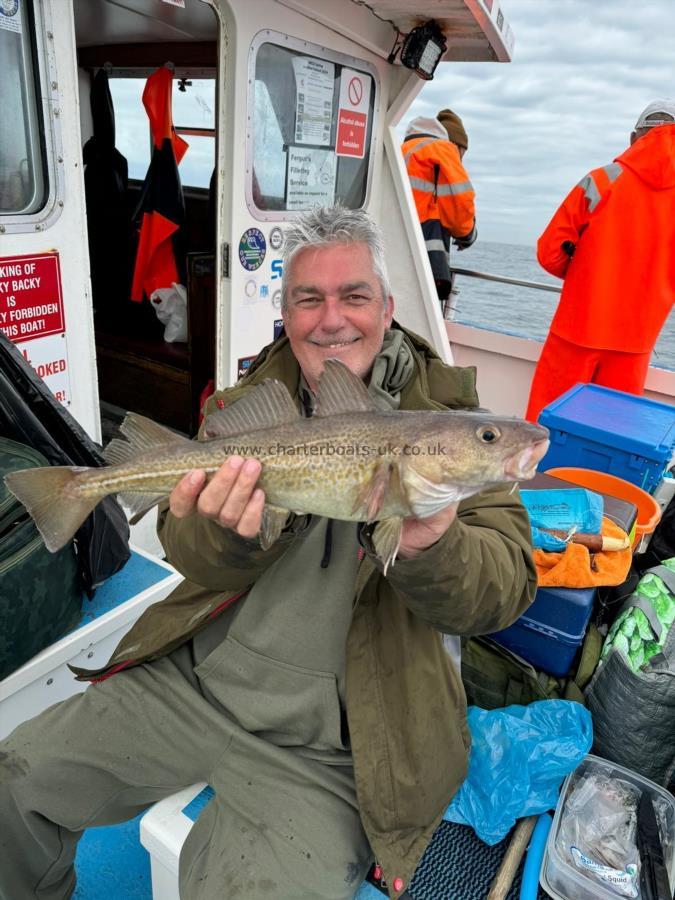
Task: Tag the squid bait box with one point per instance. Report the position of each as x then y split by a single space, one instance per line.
594 427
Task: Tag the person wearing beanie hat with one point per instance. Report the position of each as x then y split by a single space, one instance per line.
455 128
611 242
444 196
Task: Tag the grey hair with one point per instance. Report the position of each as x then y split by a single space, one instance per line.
325 225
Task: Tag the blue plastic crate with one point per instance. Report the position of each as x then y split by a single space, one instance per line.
549 634
594 427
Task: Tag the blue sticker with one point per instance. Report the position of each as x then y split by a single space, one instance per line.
277 268
252 249
278 327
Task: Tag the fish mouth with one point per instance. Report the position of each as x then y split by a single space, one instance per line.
523 465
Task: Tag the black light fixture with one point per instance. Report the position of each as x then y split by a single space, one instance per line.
423 48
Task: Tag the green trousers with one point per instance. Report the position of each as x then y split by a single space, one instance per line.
280 827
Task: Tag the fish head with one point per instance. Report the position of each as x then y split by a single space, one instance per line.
476 449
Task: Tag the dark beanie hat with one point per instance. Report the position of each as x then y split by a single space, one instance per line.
453 125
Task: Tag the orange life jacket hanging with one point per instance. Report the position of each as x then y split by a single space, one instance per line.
161 205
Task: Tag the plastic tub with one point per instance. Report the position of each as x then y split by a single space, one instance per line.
649 511
564 881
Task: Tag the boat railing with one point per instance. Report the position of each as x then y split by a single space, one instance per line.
449 308
503 279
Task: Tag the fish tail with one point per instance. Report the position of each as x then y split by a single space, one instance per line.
57 513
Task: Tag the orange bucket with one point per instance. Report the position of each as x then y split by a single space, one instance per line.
648 509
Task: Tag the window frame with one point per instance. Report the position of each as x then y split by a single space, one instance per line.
285 41
47 107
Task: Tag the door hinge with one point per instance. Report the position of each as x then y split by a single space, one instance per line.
225 267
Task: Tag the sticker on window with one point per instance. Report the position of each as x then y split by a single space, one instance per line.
313 100
10 15
311 178
352 114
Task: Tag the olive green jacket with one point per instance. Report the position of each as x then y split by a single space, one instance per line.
406 706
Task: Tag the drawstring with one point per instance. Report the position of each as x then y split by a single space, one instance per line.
328 545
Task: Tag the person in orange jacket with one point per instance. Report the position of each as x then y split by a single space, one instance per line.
444 197
613 242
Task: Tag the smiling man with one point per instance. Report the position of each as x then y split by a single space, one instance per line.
313 692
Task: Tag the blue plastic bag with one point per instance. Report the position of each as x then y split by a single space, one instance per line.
519 758
564 509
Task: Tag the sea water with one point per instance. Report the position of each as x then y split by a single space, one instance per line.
520 310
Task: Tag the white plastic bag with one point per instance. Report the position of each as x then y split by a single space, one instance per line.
170 304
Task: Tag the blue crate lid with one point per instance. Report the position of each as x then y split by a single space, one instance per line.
634 424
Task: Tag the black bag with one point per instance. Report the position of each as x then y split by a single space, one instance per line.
30 415
40 593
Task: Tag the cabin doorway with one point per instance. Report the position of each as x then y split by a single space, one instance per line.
120 45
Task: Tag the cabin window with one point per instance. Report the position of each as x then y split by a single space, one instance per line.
132 131
312 123
23 177
194 117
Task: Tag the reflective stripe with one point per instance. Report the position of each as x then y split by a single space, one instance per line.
422 143
613 170
459 187
420 184
590 188
443 190
591 192
435 245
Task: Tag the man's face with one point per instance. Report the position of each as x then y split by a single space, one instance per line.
335 309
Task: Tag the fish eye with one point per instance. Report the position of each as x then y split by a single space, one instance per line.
488 434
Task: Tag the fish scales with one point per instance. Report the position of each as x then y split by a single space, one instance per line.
349 461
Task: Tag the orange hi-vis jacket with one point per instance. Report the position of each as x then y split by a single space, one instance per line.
444 196
620 283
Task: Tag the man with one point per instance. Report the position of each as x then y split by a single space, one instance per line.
444 197
313 693
612 242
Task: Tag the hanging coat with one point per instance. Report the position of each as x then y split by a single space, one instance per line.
620 281
108 212
161 208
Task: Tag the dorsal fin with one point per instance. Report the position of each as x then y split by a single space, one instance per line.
267 404
141 435
340 391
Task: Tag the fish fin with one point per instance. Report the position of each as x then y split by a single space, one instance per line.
42 492
273 520
372 494
267 404
387 539
425 497
340 391
141 435
139 504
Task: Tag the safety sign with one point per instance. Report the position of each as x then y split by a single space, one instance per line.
353 109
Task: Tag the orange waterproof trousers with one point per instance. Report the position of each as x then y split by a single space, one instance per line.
563 364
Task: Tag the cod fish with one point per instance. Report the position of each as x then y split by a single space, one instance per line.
349 461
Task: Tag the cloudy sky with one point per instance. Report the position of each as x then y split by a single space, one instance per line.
582 71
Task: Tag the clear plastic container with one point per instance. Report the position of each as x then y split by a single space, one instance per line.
559 877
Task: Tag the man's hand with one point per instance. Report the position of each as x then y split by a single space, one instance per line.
418 534
230 497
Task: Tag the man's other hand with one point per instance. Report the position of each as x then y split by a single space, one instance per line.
230 498
419 534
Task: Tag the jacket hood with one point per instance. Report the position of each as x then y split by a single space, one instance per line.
426 125
652 157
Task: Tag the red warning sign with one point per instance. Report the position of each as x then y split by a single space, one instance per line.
353 110
31 303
